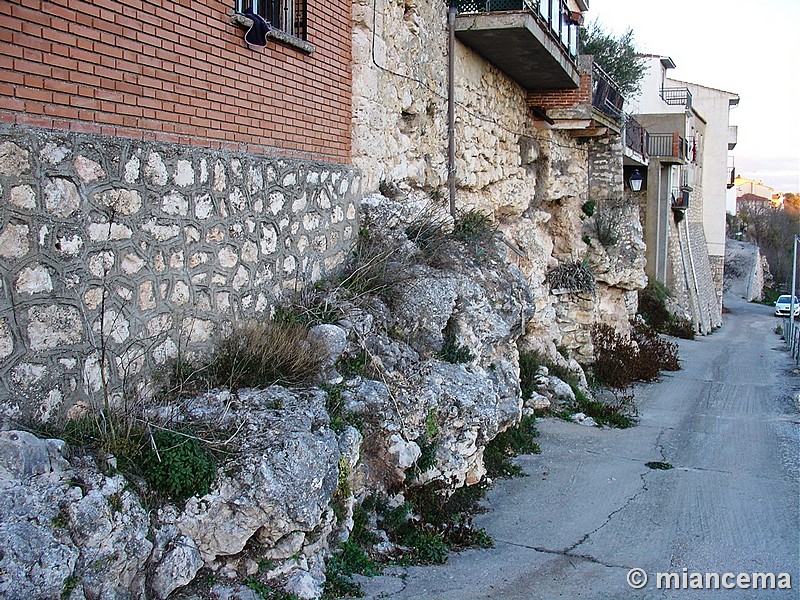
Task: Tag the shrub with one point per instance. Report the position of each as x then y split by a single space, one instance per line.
607 224
654 311
453 352
339 417
620 361
574 276
310 306
588 207
177 466
529 363
473 226
476 230
429 231
260 354
376 265
612 415
681 327
653 307
654 350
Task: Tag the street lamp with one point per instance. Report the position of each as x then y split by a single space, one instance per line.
635 181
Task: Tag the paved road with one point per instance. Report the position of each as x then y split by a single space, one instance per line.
591 510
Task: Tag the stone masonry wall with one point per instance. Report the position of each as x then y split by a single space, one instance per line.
533 180
117 255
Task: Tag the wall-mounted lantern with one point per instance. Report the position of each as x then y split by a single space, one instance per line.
635 181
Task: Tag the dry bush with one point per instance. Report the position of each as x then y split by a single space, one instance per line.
376 266
621 361
575 276
259 354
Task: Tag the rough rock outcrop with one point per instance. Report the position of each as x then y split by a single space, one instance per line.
417 396
66 528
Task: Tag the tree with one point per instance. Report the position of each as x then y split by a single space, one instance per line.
773 230
791 204
616 56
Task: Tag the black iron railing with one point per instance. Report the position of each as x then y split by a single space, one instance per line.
677 96
636 136
606 96
667 145
553 14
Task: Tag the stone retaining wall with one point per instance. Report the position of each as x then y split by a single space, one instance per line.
119 254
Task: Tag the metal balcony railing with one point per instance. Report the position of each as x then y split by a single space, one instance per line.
667 145
677 96
636 136
552 14
606 96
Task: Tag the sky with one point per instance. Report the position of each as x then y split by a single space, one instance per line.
748 47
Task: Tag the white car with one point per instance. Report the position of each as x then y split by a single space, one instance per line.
783 306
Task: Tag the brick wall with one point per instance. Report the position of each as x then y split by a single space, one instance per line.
553 99
177 71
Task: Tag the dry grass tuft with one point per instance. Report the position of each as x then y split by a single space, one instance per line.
259 354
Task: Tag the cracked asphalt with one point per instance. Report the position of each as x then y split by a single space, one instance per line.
590 510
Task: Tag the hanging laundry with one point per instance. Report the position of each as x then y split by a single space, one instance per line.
257 34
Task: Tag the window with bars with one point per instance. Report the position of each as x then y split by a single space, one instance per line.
287 15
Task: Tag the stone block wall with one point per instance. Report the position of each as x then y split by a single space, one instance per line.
117 255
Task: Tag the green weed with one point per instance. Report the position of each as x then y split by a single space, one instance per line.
507 444
177 466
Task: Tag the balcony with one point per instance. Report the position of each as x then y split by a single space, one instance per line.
731 173
534 42
668 147
677 96
733 136
636 141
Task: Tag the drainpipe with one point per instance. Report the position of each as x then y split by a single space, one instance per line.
451 105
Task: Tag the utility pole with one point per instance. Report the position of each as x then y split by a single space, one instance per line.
794 287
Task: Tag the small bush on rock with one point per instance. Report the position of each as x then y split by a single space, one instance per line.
177 466
573 276
260 354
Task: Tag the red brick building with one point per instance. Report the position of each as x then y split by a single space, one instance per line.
161 179
179 72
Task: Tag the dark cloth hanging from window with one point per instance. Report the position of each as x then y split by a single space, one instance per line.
257 34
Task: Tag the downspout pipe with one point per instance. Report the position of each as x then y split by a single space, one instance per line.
451 105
